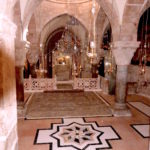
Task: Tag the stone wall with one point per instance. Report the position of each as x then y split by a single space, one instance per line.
8 111
133 73
136 82
133 86
104 84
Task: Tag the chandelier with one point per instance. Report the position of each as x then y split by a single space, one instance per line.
109 61
91 52
68 42
143 59
143 53
91 48
110 65
69 45
41 71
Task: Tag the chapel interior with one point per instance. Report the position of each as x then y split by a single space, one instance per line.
81 61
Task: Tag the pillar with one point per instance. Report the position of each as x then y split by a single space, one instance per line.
94 71
33 57
21 50
19 84
123 52
8 110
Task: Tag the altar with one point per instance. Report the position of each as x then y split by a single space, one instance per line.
69 60
62 72
62 68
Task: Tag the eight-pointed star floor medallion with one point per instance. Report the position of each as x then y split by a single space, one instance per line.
76 134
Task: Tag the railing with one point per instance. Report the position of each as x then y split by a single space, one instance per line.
87 84
45 84
37 85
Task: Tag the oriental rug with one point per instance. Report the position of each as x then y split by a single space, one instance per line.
66 104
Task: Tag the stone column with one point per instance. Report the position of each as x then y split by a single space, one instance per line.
123 52
8 110
19 84
21 50
94 71
33 57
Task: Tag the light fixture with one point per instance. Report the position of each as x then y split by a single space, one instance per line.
41 71
68 42
109 61
110 66
144 48
75 37
91 48
68 46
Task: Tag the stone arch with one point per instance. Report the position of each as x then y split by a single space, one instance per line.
7 8
31 7
27 12
106 5
143 37
143 22
53 24
31 36
131 18
101 23
145 6
56 25
50 47
111 13
107 28
52 34
17 20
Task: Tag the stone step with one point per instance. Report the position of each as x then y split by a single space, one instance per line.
65 86
66 90
65 82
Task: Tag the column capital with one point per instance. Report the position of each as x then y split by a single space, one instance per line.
22 47
123 51
126 44
32 56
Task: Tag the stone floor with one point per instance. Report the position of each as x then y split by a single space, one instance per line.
66 104
88 133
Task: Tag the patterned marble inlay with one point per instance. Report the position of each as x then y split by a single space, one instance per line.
142 129
77 134
145 109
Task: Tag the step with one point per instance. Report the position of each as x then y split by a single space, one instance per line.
61 90
65 86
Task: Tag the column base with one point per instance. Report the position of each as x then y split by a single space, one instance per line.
21 110
121 110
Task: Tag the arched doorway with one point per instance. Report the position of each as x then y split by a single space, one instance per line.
63 56
50 46
65 43
143 35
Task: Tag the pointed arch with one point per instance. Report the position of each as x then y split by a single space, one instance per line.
59 22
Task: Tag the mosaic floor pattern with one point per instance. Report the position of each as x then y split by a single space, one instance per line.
142 129
143 108
77 134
